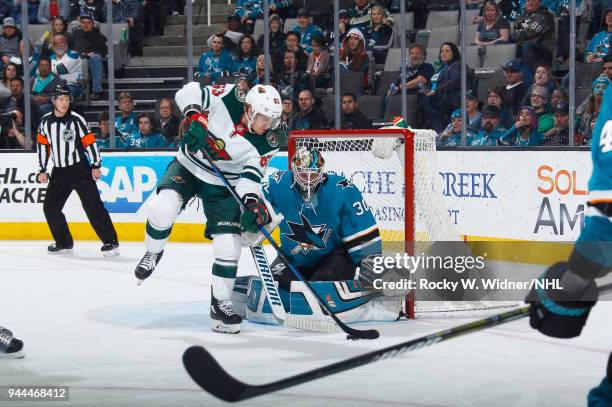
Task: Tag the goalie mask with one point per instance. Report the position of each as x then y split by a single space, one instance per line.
307 168
266 107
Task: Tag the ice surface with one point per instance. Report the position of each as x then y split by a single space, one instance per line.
87 325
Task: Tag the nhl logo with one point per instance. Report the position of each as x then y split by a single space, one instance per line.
68 135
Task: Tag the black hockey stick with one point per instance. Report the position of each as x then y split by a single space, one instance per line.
352 333
210 376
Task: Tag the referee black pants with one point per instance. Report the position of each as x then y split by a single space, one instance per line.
62 182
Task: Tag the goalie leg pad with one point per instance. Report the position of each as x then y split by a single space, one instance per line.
257 307
163 211
345 298
226 249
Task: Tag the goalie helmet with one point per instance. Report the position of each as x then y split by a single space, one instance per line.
266 101
307 168
189 99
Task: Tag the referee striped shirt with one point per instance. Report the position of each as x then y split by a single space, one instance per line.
65 140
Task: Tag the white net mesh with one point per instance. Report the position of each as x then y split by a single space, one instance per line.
382 184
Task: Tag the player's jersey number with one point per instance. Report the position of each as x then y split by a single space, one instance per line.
361 207
605 141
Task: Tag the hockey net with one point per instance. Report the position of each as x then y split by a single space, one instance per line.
404 195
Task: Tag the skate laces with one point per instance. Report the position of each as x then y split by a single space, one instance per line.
226 307
5 338
148 260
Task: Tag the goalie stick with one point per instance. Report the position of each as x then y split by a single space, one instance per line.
211 376
352 333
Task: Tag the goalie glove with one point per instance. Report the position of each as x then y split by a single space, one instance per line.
195 137
560 313
384 147
253 237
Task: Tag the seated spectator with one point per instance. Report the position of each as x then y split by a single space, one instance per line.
306 29
102 133
351 117
58 26
534 33
147 136
17 102
558 96
13 138
67 64
231 35
543 77
43 85
309 117
607 67
33 6
168 122
90 43
451 136
588 111
445 94
125 121
561 11
130 12
95 8
9 72
9 40
473 114
249 11
559 134
215 63
287 114
516 89
292 44
360 15
418 72
276 36
524 132
539 103
599 46
379 36
319 63
290 81
493 29
492 129
495 97
259 74
246 56
353 57
6 9
49 9
344 27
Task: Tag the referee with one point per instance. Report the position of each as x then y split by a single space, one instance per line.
65 136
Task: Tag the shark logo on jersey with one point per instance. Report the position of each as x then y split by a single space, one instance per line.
308 237
344 183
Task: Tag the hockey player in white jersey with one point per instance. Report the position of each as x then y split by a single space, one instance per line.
240 133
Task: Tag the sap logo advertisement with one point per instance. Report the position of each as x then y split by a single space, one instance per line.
127 181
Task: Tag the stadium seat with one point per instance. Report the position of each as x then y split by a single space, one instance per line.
372 106
471 31
442 19
435 37
499 55
289 24
471 14
351 82
384 80
582 94
328 103
394 108
472 59
586 73
489 79
259 28
394 57
432 54
409 20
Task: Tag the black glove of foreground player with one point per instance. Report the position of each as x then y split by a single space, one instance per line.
560 313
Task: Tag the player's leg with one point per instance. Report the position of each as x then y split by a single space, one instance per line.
58 191
97 214
10 347
223 226
336 266
175 189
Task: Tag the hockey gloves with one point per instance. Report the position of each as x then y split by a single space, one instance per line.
560 313
195 137
256 213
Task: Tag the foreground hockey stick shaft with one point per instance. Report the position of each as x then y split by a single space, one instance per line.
352 333
210 376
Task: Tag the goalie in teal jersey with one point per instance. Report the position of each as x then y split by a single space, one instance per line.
563 313
239 131
328 228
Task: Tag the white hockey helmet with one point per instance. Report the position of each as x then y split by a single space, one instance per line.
266 101
189 98
307 166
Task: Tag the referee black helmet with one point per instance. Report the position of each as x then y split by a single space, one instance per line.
61 90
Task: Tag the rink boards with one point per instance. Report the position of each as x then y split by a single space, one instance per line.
490 195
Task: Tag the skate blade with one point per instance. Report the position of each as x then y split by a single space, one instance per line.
111 253
220 327
12 355
139 281
65 251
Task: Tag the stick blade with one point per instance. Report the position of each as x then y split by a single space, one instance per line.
210 376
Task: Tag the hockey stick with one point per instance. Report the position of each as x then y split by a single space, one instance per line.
210 376
263 269
352 333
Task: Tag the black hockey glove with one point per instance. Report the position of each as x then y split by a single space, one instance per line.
560 313
255 214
